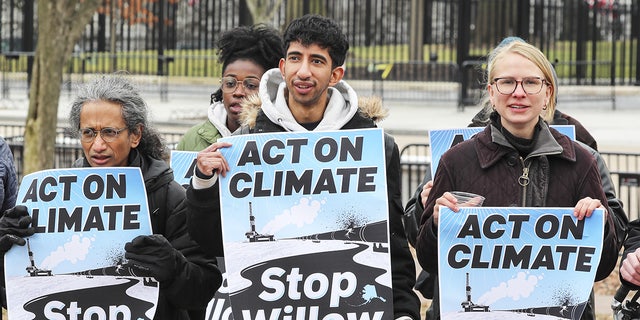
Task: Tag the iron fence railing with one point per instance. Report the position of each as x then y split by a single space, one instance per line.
589 42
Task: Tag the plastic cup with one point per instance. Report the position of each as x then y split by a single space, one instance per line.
467 199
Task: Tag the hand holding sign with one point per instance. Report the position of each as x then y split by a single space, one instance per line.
210 160
153 255
585 206
14 225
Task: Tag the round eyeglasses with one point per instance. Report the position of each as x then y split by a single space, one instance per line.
230 84
530 85
107 134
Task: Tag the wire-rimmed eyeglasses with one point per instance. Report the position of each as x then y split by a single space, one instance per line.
230 84
530 85
107 134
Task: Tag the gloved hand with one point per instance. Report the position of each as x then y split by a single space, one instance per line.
152 256
14 225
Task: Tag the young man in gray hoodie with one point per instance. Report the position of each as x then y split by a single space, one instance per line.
307 93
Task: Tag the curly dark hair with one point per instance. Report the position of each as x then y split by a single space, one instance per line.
258 43
315 29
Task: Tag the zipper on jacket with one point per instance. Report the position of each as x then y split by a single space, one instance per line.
523 180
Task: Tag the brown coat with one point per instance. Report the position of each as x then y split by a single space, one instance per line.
561 173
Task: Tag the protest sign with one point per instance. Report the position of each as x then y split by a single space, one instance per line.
183 163
441 140
305 225
517 263
74 264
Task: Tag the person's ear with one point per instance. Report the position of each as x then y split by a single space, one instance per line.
281 67
492 92
549 92
336 75
135 136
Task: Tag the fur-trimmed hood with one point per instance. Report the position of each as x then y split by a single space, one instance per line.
217 115
342 106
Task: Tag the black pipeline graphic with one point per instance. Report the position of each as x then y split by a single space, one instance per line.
312 289
373 232
109 302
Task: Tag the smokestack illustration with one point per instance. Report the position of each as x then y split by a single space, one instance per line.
32 269
252 234
468 289
252 220
468 305
33 263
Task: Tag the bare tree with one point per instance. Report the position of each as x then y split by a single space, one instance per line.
60 25
263 11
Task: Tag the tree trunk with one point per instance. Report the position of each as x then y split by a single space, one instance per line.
60 25
261 11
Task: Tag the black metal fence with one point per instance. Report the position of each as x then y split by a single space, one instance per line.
590 42
415 160
625 172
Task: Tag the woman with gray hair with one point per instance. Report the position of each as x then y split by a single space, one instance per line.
111 120
117 88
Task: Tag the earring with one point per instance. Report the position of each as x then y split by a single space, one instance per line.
545 107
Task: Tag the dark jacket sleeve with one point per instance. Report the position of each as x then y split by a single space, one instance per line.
615 205
403 271
620 218
8 178
8 195
427 241
610 245
198 277
203 219
413 211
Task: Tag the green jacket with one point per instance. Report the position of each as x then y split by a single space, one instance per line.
199 137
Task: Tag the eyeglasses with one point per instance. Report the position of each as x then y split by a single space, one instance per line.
107 134
530 85
230 84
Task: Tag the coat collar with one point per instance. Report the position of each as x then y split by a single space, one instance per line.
492 145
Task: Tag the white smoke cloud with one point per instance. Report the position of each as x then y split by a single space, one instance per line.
515 288
72 251
301 214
